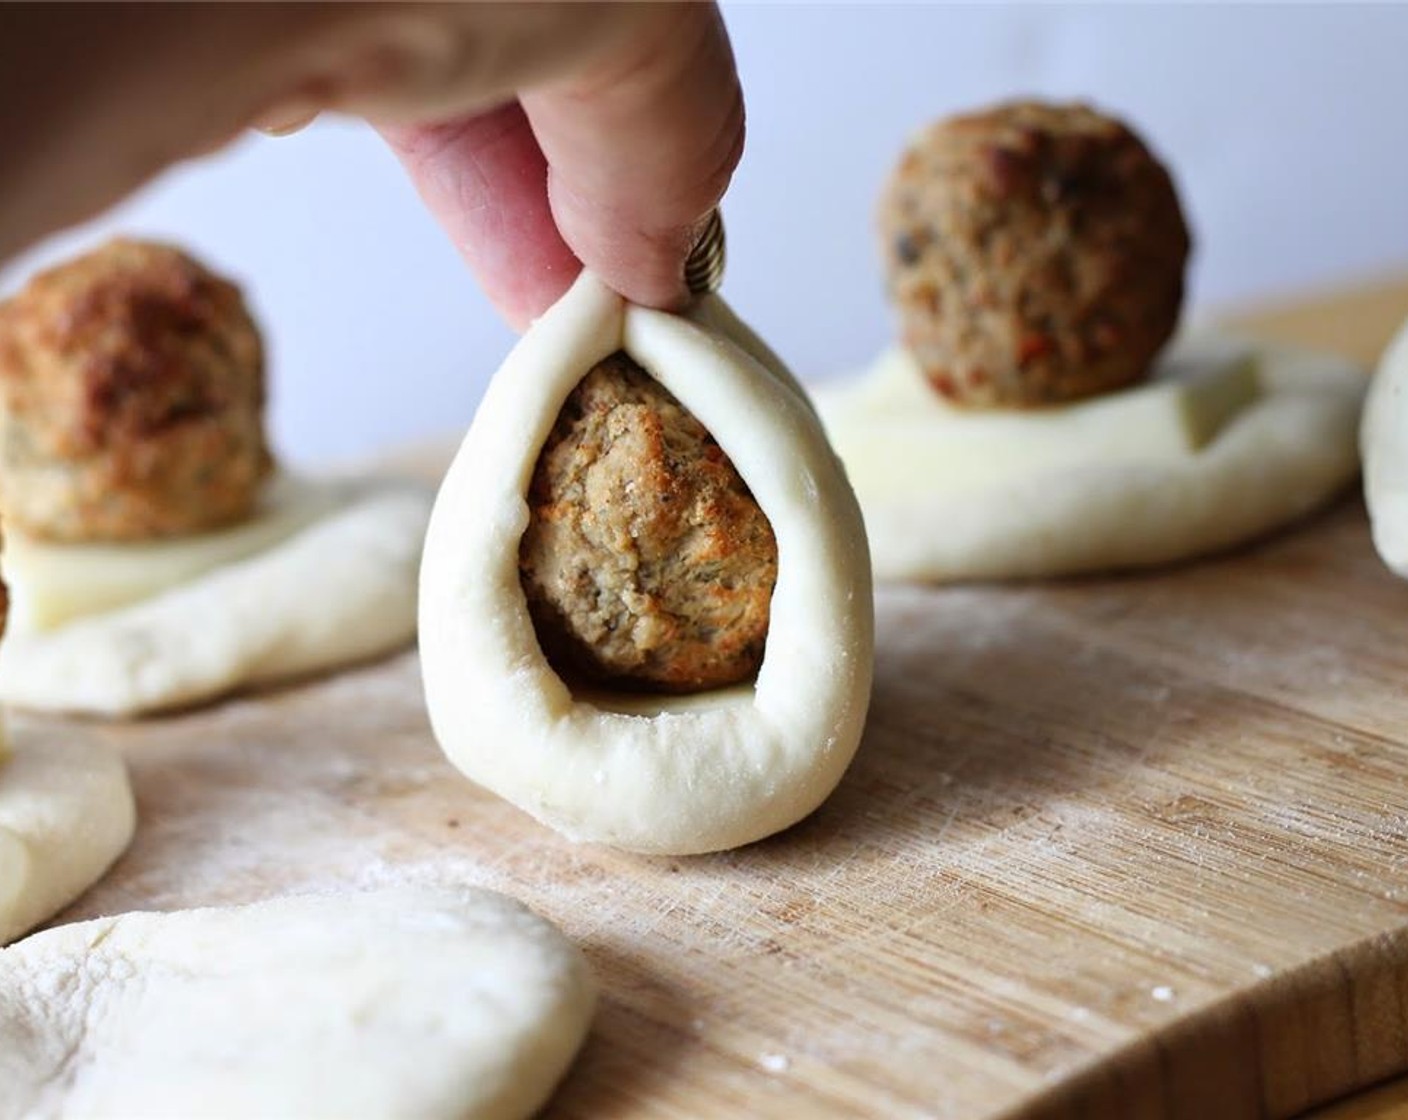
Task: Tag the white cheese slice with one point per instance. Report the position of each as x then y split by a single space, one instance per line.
899 438
53 584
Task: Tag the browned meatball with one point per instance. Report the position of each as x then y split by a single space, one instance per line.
647 563
1035 253
131 399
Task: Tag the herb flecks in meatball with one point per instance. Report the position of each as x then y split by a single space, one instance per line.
647 563
1035 254
131 399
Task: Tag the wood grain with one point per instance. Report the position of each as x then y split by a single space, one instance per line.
1131 847
1355 320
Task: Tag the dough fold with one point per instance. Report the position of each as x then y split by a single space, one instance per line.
66 813
654 774
341 590
1284 455
1384 447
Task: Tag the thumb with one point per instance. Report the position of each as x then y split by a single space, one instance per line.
641 147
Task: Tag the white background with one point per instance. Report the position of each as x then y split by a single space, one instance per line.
1287 129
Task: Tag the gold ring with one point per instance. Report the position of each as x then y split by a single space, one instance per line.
704 268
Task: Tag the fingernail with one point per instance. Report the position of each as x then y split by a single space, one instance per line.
286 119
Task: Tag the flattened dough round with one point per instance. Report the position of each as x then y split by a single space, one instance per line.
341 590
649 773
66 813
1286 453
406 1003
1384 445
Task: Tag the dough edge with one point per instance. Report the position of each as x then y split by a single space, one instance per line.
1282 458
66 815
341 590
1383 442
527 1001
698 775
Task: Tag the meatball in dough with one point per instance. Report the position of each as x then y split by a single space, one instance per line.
437 1005
646 562
131 399
66 813
699 772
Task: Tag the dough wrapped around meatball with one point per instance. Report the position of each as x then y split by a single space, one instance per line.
655 491
1035 254
647 562
131 399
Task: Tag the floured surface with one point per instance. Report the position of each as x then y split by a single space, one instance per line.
1138 828
1080 814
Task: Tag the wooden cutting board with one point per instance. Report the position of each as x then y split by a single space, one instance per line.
1130 847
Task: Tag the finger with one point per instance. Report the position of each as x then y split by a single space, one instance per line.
641 146
485 180
95 99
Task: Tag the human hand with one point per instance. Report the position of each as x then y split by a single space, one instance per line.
539 135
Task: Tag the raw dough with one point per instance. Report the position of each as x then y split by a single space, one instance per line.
342 590
55 583
1384 444
657 774
66 814
402 1003
1110 507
